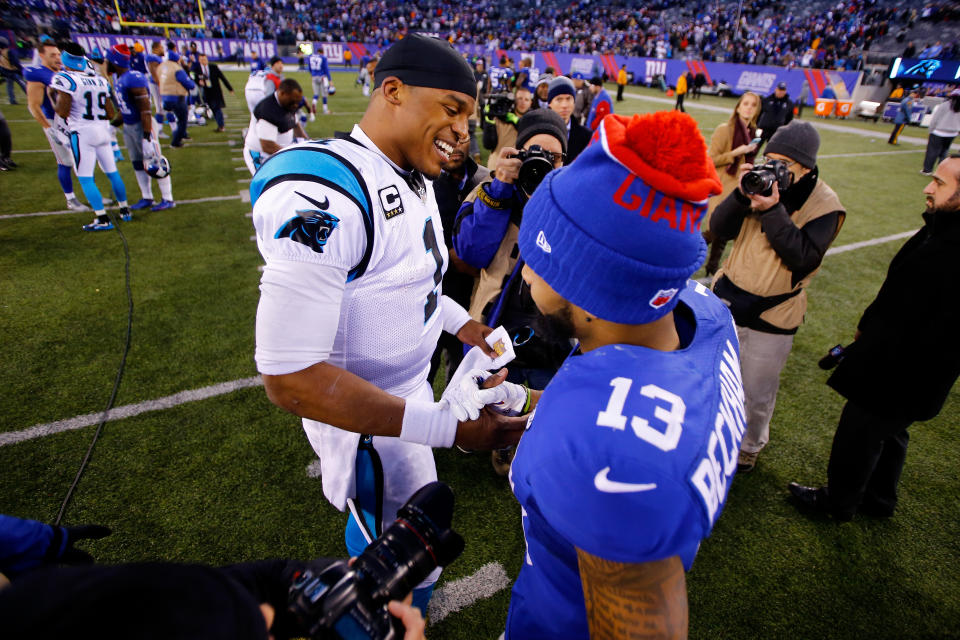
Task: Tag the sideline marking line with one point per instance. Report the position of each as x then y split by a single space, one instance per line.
66 211
458 594
128 411
222 388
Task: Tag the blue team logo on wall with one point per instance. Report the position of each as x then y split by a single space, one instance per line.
923 68
310 227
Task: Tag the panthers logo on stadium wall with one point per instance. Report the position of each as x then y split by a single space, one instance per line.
923 68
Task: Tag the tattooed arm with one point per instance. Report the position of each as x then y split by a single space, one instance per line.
635 601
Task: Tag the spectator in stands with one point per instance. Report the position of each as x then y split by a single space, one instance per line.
486 239
900 368
779 242
730 146
601 105
621 82
500 131
175 84
776 111
561 96
902 118
682 83
944 127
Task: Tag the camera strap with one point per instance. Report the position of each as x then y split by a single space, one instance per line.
747 307
367 507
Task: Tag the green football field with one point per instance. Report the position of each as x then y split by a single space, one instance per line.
224 478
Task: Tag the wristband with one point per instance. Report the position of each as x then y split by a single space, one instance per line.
526 405
429 423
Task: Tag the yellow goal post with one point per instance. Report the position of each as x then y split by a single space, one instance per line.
165 25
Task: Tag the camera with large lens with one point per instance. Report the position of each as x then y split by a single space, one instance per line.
535 164
759 181
499 105
350 601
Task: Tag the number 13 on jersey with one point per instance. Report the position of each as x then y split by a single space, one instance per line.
672 417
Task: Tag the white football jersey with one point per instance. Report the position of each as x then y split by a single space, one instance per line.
345 236
253 90
90 94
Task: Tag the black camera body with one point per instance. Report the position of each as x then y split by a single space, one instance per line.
350 601
535 164
499 105
759 181
833 357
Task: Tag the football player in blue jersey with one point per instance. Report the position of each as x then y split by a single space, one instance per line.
133 99
41 108
625 464
320 77
349 228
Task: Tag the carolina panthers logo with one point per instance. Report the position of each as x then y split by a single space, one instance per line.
310 227
923 68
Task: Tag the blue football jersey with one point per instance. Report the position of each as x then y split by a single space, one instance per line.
123 85
318 65
500 79
628 456
138 62
44 75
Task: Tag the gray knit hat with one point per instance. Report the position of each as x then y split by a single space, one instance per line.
798 141
538 121
559 86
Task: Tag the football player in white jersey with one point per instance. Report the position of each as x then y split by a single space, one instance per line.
84 110
351 306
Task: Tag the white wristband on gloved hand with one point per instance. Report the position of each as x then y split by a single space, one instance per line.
429 423
463 399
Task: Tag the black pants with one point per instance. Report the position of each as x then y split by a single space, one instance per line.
620 92
679 104
866 461
937 149
895 134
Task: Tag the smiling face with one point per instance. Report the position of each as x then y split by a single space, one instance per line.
943 192
430 124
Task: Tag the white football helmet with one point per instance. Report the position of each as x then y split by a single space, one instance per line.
159 167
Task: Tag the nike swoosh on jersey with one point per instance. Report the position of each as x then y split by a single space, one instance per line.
602 483
320 205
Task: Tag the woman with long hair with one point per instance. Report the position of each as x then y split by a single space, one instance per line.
944 126
730 146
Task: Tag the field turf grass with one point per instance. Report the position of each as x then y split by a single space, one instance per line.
224 479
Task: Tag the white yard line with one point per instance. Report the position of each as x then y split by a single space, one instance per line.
128 411
459 594
66 211
869 243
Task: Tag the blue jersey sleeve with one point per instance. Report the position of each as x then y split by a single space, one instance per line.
152 58
37 74
482 223
185 80
24 544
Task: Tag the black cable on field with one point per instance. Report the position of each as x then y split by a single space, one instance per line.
119 376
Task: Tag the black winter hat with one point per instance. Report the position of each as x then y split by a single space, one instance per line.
798 141
539 121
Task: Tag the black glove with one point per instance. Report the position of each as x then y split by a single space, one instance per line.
71 555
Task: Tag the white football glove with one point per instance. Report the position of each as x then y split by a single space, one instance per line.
467 398
507 398
463 399
150 149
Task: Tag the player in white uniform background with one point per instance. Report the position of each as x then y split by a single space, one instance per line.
351 305
626 463
84 110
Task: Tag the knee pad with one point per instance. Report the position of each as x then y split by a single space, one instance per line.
137 165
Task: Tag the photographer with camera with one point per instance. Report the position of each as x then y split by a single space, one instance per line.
500 116
900 369
485 237
782 218
366 597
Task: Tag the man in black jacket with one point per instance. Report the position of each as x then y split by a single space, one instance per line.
776 111
561 98
903 362
208 77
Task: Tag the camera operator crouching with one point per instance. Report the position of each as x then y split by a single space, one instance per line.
485 237
500 116
782 219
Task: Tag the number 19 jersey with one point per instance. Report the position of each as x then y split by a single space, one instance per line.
628 457
89 94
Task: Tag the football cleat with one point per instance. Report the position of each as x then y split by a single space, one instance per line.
75 205
159 167
163 204
125 214
98 225
143 203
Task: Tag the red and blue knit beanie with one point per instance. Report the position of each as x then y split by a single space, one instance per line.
617 232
